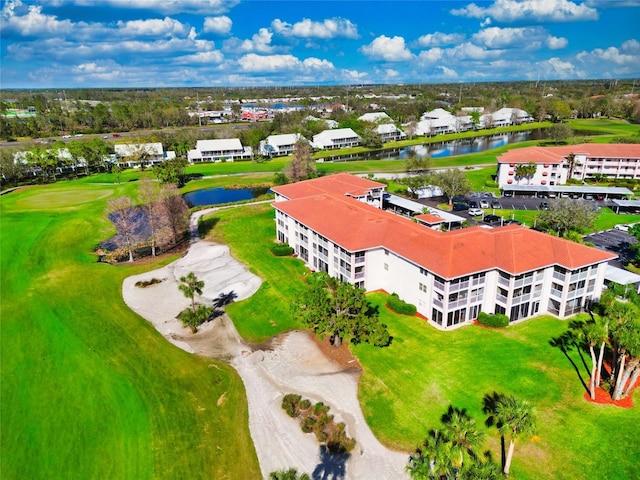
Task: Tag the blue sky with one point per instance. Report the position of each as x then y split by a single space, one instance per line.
165 43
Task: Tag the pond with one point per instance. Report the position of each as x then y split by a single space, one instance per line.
445 149
218 195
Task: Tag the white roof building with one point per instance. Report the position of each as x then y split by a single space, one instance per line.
375 117
338 138
389 132
504 117
137 154
219 150
284 144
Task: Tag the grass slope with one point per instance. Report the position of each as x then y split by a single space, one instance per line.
89 389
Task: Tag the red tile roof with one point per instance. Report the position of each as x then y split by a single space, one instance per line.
339 183
357 226
429 218
557 154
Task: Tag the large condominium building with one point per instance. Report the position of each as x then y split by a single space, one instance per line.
555 165
219 150
335 225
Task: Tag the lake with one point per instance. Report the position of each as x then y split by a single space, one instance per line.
218 196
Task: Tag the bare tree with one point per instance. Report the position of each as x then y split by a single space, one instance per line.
121 212
302 165
150 198
176 209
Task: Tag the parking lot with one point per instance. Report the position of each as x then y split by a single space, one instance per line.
614 241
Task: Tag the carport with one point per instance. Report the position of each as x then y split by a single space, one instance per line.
627 206
409 208
622 277
581 190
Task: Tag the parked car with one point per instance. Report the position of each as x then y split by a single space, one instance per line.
575 196
588 197
457 207
622 227
491 218
473 204
512 222
496 205
484 204
475 212
66 136
78 134
543 206
115 135
508 193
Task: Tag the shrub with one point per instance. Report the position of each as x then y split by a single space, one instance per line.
281 249
291 404
491 184
146 283
400 306
493 320
192 319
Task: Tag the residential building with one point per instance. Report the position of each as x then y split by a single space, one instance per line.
338 138
375 117
555 165
505 117
388 132
277 145
449 276
135 155
219 150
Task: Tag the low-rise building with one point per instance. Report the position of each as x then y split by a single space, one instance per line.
135 155
219 150
388 132
338 138
375 117
449 276
555 165
277 145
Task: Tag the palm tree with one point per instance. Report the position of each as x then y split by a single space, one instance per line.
291 474
513 418
433 459
594 333
463 435
190 286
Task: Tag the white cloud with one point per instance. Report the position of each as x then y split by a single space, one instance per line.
316 63
447 72
211 57
430 56
277 63
218 25
387 49
260 42
439 39
153 27
528 38
626 59
470 51
557 68
354 76
306 28
532 10
30 21
205 7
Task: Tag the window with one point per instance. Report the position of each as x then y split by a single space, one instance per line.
422 287
454 297
436 316
456 317
386 266
503 292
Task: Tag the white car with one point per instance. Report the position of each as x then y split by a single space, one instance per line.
78 134
475 212
622 227
484 204
66 136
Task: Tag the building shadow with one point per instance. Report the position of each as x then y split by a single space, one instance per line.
332 466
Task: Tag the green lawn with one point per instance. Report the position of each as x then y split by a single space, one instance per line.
89 389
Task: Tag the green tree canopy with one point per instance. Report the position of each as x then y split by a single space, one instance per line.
341 310
565 215
453 182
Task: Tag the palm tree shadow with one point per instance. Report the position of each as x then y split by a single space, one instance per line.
489 407
332 466
565 343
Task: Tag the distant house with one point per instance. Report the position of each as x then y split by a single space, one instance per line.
375 117
338 138
436 122
276 145
134 155
219 150
388 132
505 117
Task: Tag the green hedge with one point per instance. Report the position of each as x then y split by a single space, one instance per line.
400 306
281 249
493 320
